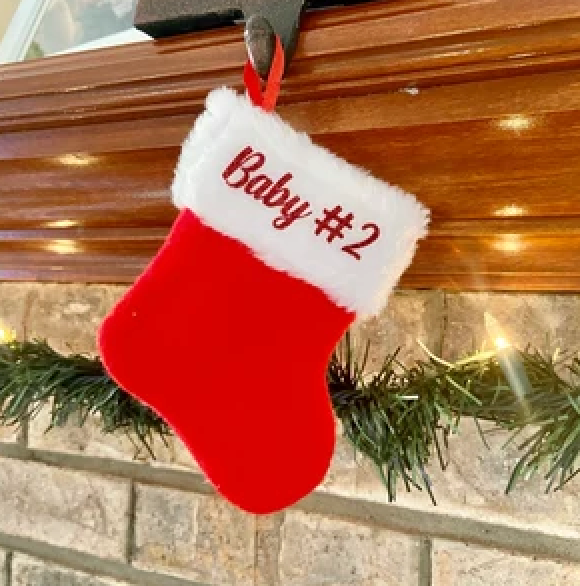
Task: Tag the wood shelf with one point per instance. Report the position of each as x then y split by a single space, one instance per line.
473 105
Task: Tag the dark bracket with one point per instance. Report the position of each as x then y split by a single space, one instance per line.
173 17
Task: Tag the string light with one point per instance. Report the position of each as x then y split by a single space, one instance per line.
7 335
509 360
501 343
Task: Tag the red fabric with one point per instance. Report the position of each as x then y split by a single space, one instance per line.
253 83
233 355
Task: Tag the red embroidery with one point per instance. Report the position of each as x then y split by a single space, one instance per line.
246 162
351 248
257 186
334 223
289 215
240 174
278 194
273 195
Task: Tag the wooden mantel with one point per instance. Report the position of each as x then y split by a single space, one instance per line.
473 105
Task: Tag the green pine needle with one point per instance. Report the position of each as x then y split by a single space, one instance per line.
32 374
398 417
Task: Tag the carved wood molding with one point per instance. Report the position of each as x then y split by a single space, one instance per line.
471 104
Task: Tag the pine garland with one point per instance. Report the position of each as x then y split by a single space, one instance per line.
398 417
32 375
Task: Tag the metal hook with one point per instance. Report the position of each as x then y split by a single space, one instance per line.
264 20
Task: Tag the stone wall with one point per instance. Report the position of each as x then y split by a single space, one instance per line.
81 508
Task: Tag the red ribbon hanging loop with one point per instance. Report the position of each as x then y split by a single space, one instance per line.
268 98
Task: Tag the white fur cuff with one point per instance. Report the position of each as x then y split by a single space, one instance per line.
302 210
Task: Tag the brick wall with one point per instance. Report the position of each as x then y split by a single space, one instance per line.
80 508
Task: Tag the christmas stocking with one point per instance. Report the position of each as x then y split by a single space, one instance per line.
279 245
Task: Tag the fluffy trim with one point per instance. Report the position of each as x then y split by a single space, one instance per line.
231 124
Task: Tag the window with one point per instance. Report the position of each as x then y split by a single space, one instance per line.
47 27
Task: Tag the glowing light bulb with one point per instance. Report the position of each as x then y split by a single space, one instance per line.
6 335
509 360
501 343
495 332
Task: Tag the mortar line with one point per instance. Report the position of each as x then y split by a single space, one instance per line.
131 520
128 470
423 523
8 568
256 546
22 436
444 322
90 564
31 298
425 562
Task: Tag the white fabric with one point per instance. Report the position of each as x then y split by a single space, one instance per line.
230 124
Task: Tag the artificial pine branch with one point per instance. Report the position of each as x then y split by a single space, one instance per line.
32 374
398 417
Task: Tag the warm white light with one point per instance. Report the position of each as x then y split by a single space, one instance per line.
511 243
61 224
516 123
77 159
495 332
501 343
6 335
63 246
509 362
510 211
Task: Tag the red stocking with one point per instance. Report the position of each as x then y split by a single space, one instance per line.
227 334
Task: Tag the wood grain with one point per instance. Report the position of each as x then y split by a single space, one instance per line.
474 105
